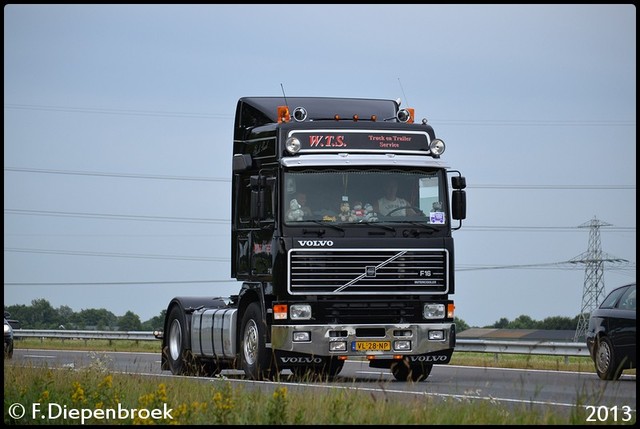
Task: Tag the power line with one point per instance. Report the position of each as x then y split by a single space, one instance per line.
115 216
112 283
120 175
470 122
105 111
226 180
541 228
535 122
115 255
470 228
554 187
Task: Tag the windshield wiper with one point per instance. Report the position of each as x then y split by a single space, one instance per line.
388 228
429 229
320 232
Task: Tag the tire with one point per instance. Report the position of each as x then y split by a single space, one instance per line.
255 360
179 357
331 368
402 371
8 350
605 360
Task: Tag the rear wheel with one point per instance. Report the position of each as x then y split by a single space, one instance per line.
255 360
605 360
179 357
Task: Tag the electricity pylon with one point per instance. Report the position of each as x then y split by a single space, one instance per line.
593 290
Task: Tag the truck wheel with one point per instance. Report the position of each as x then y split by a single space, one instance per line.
331 368
180 359
402 371
255 361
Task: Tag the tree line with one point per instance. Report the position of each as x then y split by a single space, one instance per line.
41 315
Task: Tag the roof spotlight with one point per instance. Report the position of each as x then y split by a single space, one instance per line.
292 145
300 114
437 147
403 115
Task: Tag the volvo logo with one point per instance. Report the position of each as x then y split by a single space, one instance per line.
301 360
315 243
430 358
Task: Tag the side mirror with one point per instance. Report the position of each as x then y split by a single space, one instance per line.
459 205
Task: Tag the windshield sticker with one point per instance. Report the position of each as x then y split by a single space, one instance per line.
436 217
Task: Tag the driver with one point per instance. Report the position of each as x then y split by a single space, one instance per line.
391 201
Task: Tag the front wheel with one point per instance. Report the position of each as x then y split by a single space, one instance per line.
255 360
605 360
403 371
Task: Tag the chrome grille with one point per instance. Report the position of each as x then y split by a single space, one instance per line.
367 271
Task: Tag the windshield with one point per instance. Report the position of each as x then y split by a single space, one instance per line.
364 195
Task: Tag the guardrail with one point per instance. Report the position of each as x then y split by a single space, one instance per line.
84 335
463 345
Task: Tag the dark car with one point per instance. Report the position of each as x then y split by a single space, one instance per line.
611 336
8 339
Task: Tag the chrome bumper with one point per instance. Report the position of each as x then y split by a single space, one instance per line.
322 337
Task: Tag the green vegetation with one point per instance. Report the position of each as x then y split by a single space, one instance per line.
94 393
41 315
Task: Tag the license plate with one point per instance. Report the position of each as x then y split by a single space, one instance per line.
361 346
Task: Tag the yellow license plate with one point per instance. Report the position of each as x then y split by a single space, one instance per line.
362 346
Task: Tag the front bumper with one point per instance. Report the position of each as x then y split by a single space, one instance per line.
404 339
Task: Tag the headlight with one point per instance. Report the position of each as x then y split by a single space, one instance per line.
7 328
437 147
433 311
292 145
300 312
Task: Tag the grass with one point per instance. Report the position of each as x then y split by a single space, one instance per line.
92 395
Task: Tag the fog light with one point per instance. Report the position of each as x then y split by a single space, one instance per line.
301 336
402 345
338 346
436 335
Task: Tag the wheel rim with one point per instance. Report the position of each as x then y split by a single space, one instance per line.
603 358
250 346
175 339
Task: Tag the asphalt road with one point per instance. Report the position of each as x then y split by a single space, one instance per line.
558 390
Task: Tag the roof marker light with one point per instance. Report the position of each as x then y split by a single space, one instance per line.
283 114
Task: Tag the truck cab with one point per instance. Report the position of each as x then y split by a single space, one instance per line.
342 218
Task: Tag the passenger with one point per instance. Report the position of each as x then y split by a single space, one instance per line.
302 200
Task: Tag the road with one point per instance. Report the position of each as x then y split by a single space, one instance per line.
558 390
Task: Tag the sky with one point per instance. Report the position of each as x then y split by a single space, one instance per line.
118 123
